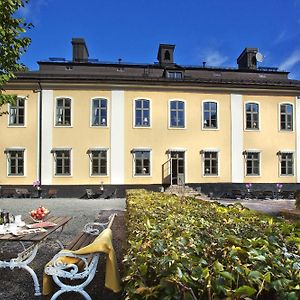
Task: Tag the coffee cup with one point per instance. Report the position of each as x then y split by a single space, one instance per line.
18 219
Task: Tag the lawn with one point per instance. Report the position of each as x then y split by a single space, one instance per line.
182 248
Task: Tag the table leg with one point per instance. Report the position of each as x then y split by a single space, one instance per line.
22 262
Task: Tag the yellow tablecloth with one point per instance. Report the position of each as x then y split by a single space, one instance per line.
103 243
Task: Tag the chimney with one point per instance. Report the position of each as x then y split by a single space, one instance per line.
165 54
80 51
247 59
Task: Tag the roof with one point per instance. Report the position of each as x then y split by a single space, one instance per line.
95 72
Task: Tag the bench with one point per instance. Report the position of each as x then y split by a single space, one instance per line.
62 271
23 193
7 192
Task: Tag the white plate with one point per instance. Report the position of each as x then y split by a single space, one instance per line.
21 224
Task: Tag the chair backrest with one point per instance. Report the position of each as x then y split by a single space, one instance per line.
52 192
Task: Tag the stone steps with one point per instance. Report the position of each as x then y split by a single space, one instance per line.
181 191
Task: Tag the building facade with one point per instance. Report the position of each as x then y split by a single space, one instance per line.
83 122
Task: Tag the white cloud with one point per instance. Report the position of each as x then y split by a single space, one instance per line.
214 58
32 9
281 37
291 61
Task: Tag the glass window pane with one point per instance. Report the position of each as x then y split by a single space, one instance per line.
173 104
138 104
180 105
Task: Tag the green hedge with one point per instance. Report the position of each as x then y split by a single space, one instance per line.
182 248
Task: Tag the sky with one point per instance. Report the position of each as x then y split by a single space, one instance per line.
214 31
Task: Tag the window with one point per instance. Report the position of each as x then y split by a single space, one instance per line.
142 113
62 162
210 163
286 163
252 163
141 163
286 117
177 114
15 160
174 75
210 117
63 112
252 116
98 162
17 113
99 112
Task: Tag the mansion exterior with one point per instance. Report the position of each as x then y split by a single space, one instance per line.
85 123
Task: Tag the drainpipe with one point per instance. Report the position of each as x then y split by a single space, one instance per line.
40 132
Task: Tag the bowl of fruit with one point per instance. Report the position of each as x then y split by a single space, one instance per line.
39 214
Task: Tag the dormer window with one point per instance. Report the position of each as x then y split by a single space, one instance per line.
174 74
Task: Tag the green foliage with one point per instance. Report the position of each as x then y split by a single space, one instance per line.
13 44
191 249
297 197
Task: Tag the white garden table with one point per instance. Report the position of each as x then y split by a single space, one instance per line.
25 257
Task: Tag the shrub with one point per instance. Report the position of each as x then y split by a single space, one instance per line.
191 249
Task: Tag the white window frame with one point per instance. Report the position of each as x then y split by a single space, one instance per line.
107 112
72 112
259 117
202 152
202 115
24 159
175 73
294 163
169 115
54 162
279 117
25 113
143 149
107 162
150 112
260 163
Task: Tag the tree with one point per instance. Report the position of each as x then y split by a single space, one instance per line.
13 44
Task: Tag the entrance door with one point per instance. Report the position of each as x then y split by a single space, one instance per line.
177 168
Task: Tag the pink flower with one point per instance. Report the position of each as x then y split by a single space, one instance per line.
36 183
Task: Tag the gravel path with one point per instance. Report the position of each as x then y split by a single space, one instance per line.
272 207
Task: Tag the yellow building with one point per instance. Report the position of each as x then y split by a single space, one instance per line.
86 123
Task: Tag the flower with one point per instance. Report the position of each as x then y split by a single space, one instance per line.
36 183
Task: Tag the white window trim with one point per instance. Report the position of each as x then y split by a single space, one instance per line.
133 113
25 113
259 117
133 162
202 163
72 112
91 113
218 115
71 161
17 148
107 162
169 115
260 164
294 123
294 164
